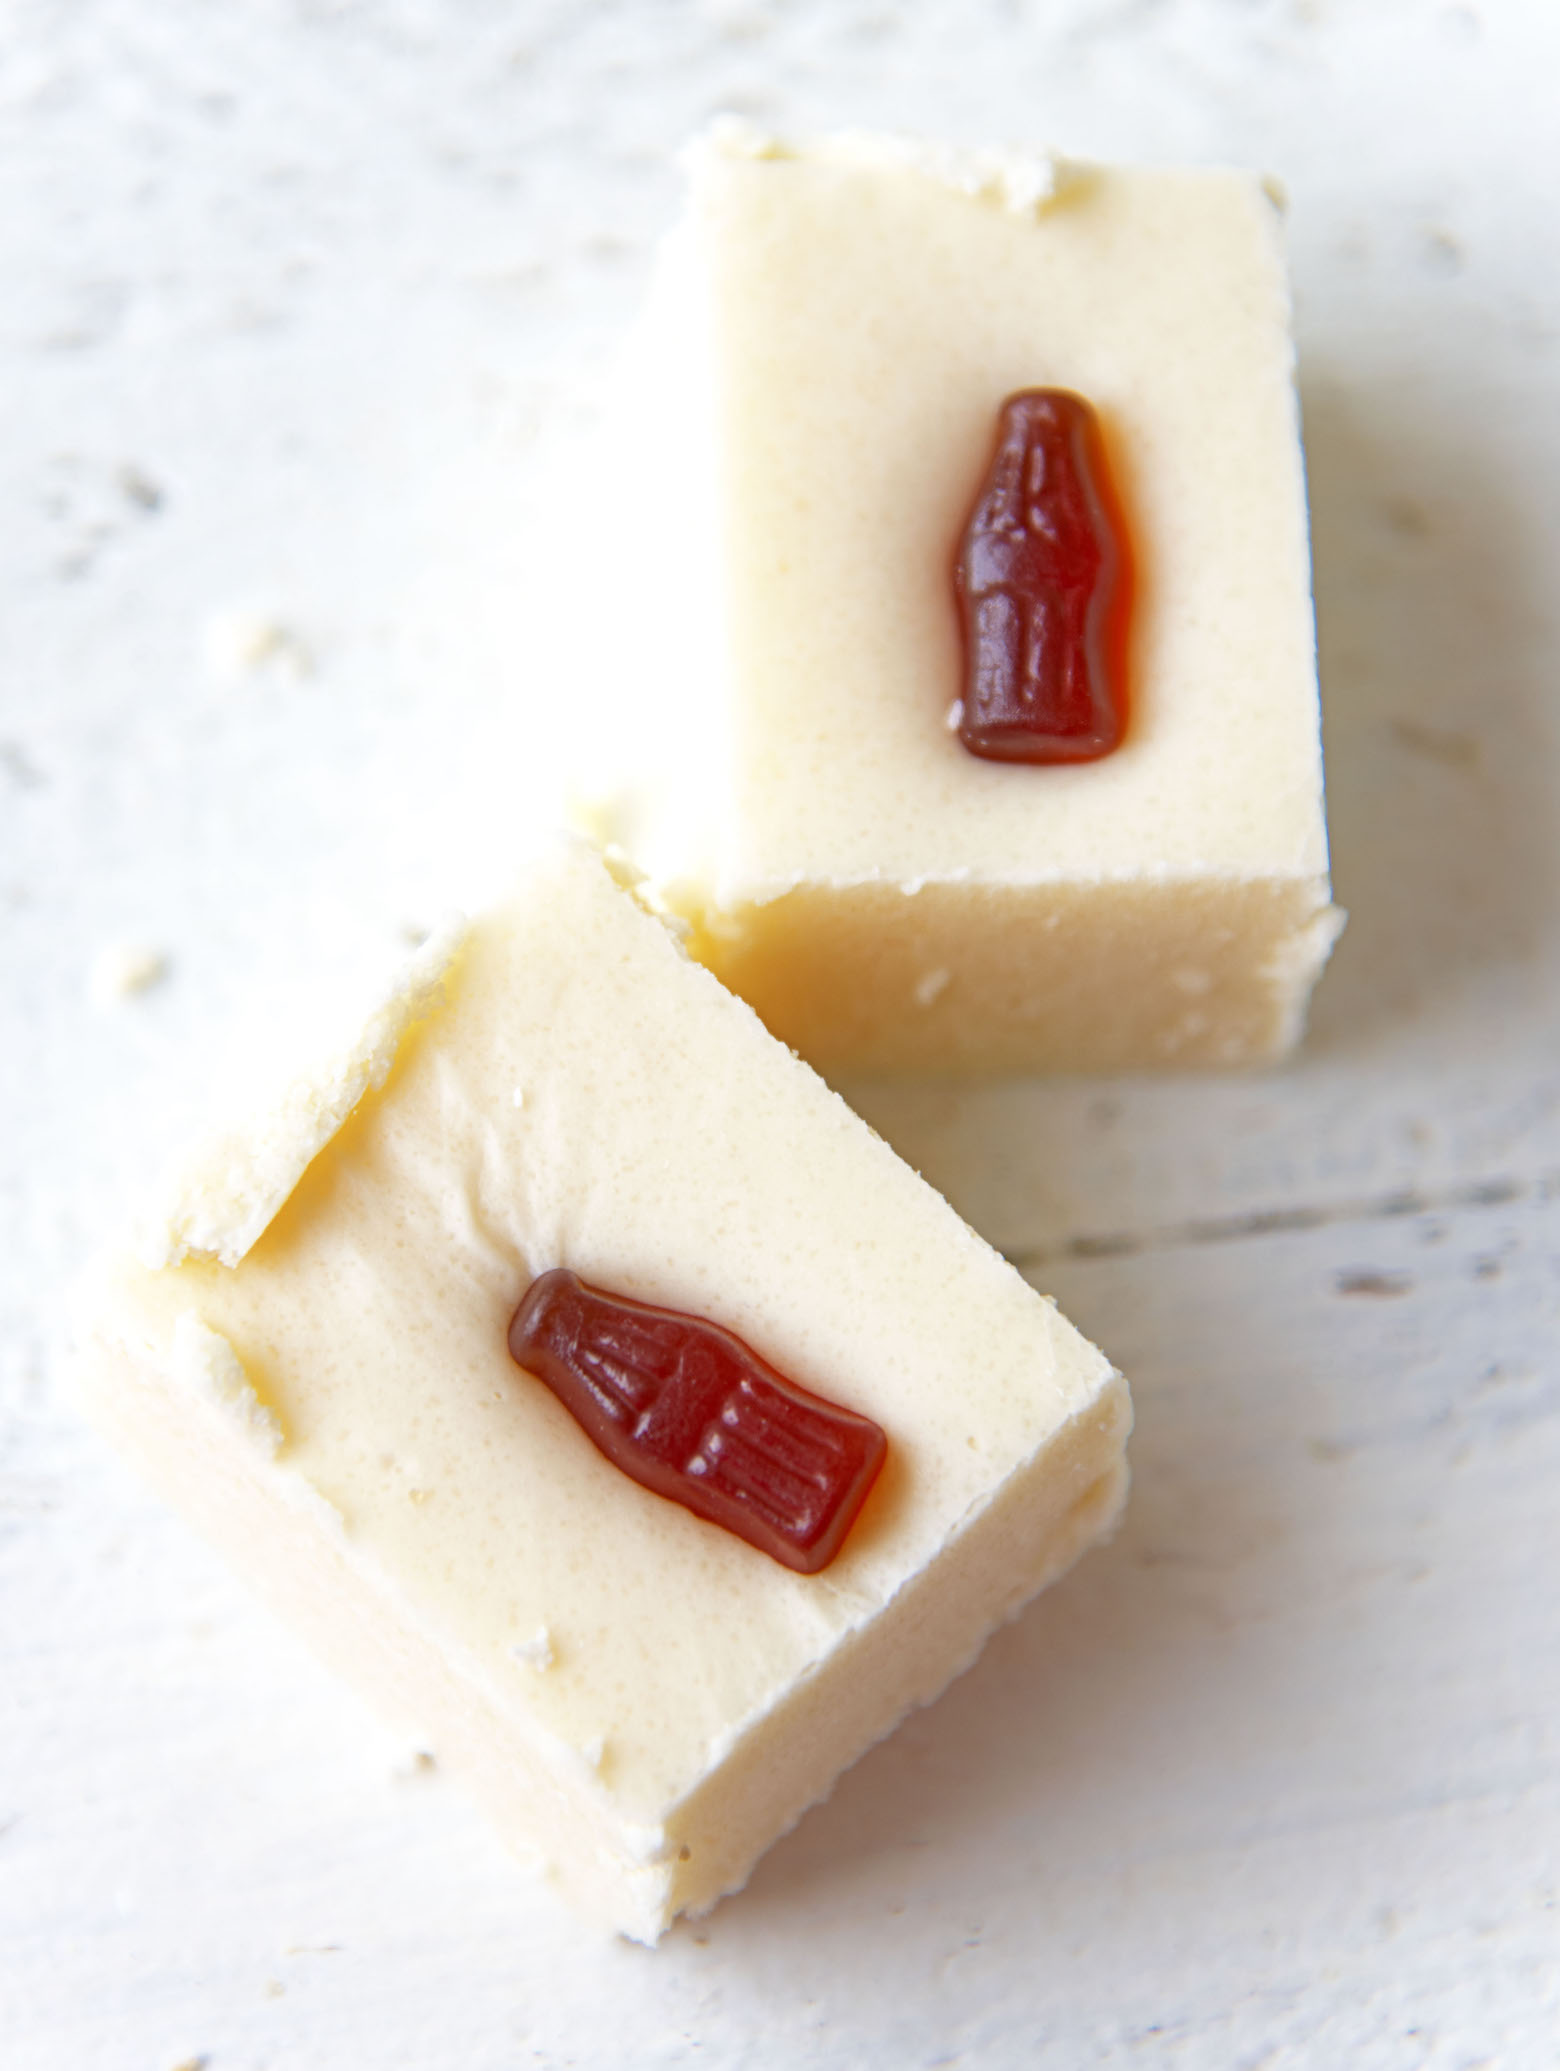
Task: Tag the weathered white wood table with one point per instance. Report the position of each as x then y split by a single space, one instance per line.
293 295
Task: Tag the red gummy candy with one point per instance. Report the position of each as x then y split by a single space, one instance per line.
1043 580
686 1409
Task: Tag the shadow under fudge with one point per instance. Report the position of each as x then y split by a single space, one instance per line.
1437 707
1437 698
1437 701
1098 1723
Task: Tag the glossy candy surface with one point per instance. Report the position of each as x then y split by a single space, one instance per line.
1043 581
686 1409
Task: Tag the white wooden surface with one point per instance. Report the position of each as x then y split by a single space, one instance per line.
292 296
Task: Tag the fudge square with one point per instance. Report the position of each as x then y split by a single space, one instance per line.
814 401
312 1362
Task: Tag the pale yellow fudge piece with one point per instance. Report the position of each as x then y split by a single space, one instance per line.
808 414
312 1360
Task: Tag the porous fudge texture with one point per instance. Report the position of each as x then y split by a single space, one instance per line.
311 1359
809 412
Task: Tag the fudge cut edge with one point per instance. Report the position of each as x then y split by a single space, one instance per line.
967 979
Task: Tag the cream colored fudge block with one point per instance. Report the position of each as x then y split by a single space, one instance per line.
312 1360
809 412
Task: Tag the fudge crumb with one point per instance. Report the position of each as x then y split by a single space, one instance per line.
240 643
123 970
537 1651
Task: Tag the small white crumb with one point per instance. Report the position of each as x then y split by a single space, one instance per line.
122 970
932 985
238 643
953 718
1192 980
594 1751
1024 185
537 1651
518 1096
416 1761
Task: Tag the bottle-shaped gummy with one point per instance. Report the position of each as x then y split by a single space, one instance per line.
688 1410
1043 582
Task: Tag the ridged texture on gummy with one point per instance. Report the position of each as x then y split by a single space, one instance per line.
685 1408
1042 580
